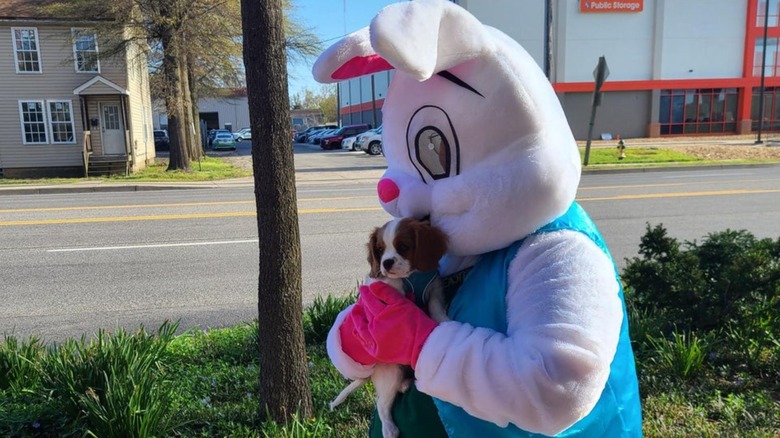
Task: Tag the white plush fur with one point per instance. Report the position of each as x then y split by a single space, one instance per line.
564 321
519 170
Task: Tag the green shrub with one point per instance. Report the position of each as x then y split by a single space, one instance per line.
683 355
18 363
321 314
113 383
730 278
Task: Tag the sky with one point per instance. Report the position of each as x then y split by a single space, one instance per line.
329 20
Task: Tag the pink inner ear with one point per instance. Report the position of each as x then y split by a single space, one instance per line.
360 66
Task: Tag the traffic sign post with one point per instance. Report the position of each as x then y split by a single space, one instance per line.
600 74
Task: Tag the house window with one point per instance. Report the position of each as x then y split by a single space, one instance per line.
698 111
61 122
85 51
26 50
33 120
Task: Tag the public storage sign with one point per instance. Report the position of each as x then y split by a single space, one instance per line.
612 6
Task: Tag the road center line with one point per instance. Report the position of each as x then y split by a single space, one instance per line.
181 204
161 245
346 210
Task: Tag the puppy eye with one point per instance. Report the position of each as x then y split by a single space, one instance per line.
402 248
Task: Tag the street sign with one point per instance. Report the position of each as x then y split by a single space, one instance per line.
601 72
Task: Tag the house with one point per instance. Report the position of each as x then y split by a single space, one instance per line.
63 106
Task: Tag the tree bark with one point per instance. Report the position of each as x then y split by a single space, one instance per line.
172 71
195 108
192 145
283 383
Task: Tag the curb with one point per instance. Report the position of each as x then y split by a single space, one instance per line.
20 190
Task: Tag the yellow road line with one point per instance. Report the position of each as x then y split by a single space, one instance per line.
678 195
345 210
86 220
181 204
687 183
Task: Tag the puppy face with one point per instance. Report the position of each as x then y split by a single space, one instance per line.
403 246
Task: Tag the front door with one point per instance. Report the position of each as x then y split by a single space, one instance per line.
112 130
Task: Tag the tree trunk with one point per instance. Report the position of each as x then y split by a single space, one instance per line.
195 108
177 136
192 144
283 383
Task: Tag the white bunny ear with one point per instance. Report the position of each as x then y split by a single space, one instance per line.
351 57
423 37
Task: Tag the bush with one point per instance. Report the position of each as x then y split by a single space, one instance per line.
320 316
730 278
113 384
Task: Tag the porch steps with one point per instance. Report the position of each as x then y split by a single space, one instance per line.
108 165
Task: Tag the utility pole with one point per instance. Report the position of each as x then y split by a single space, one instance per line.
763 76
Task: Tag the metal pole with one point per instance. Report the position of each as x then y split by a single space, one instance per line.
763 76
373 101
338 105
548 39
590 134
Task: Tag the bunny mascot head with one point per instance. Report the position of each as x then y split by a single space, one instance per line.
476 140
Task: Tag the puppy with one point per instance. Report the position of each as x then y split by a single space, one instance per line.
396 250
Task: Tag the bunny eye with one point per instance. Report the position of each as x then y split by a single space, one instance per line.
433 144
433 152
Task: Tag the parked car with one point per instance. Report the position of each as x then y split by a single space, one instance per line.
370 141
243 134
303 136
333 140
161 140
315 138
223 140
213 133
349 143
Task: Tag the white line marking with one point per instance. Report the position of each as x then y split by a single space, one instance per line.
162 245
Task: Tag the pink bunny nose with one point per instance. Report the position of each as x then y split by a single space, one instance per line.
387 190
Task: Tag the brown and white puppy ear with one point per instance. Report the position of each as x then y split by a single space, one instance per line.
349 58
375 252
424 37
430 246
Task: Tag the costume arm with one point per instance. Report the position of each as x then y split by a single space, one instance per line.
549 370
348 367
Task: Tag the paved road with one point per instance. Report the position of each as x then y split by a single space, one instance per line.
75 262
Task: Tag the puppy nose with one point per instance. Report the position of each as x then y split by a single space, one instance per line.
388 264
387 190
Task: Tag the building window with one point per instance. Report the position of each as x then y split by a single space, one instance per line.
61 122
85 51
771 109
699 111
26 50
33 120
772 67
774 13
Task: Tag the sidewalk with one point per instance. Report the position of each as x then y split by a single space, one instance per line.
719 148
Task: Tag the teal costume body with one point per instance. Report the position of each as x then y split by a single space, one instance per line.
481 302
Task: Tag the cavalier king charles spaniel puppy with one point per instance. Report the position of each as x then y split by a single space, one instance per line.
396 250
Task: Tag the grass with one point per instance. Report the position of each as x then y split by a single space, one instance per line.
209 169
203 383
639 155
